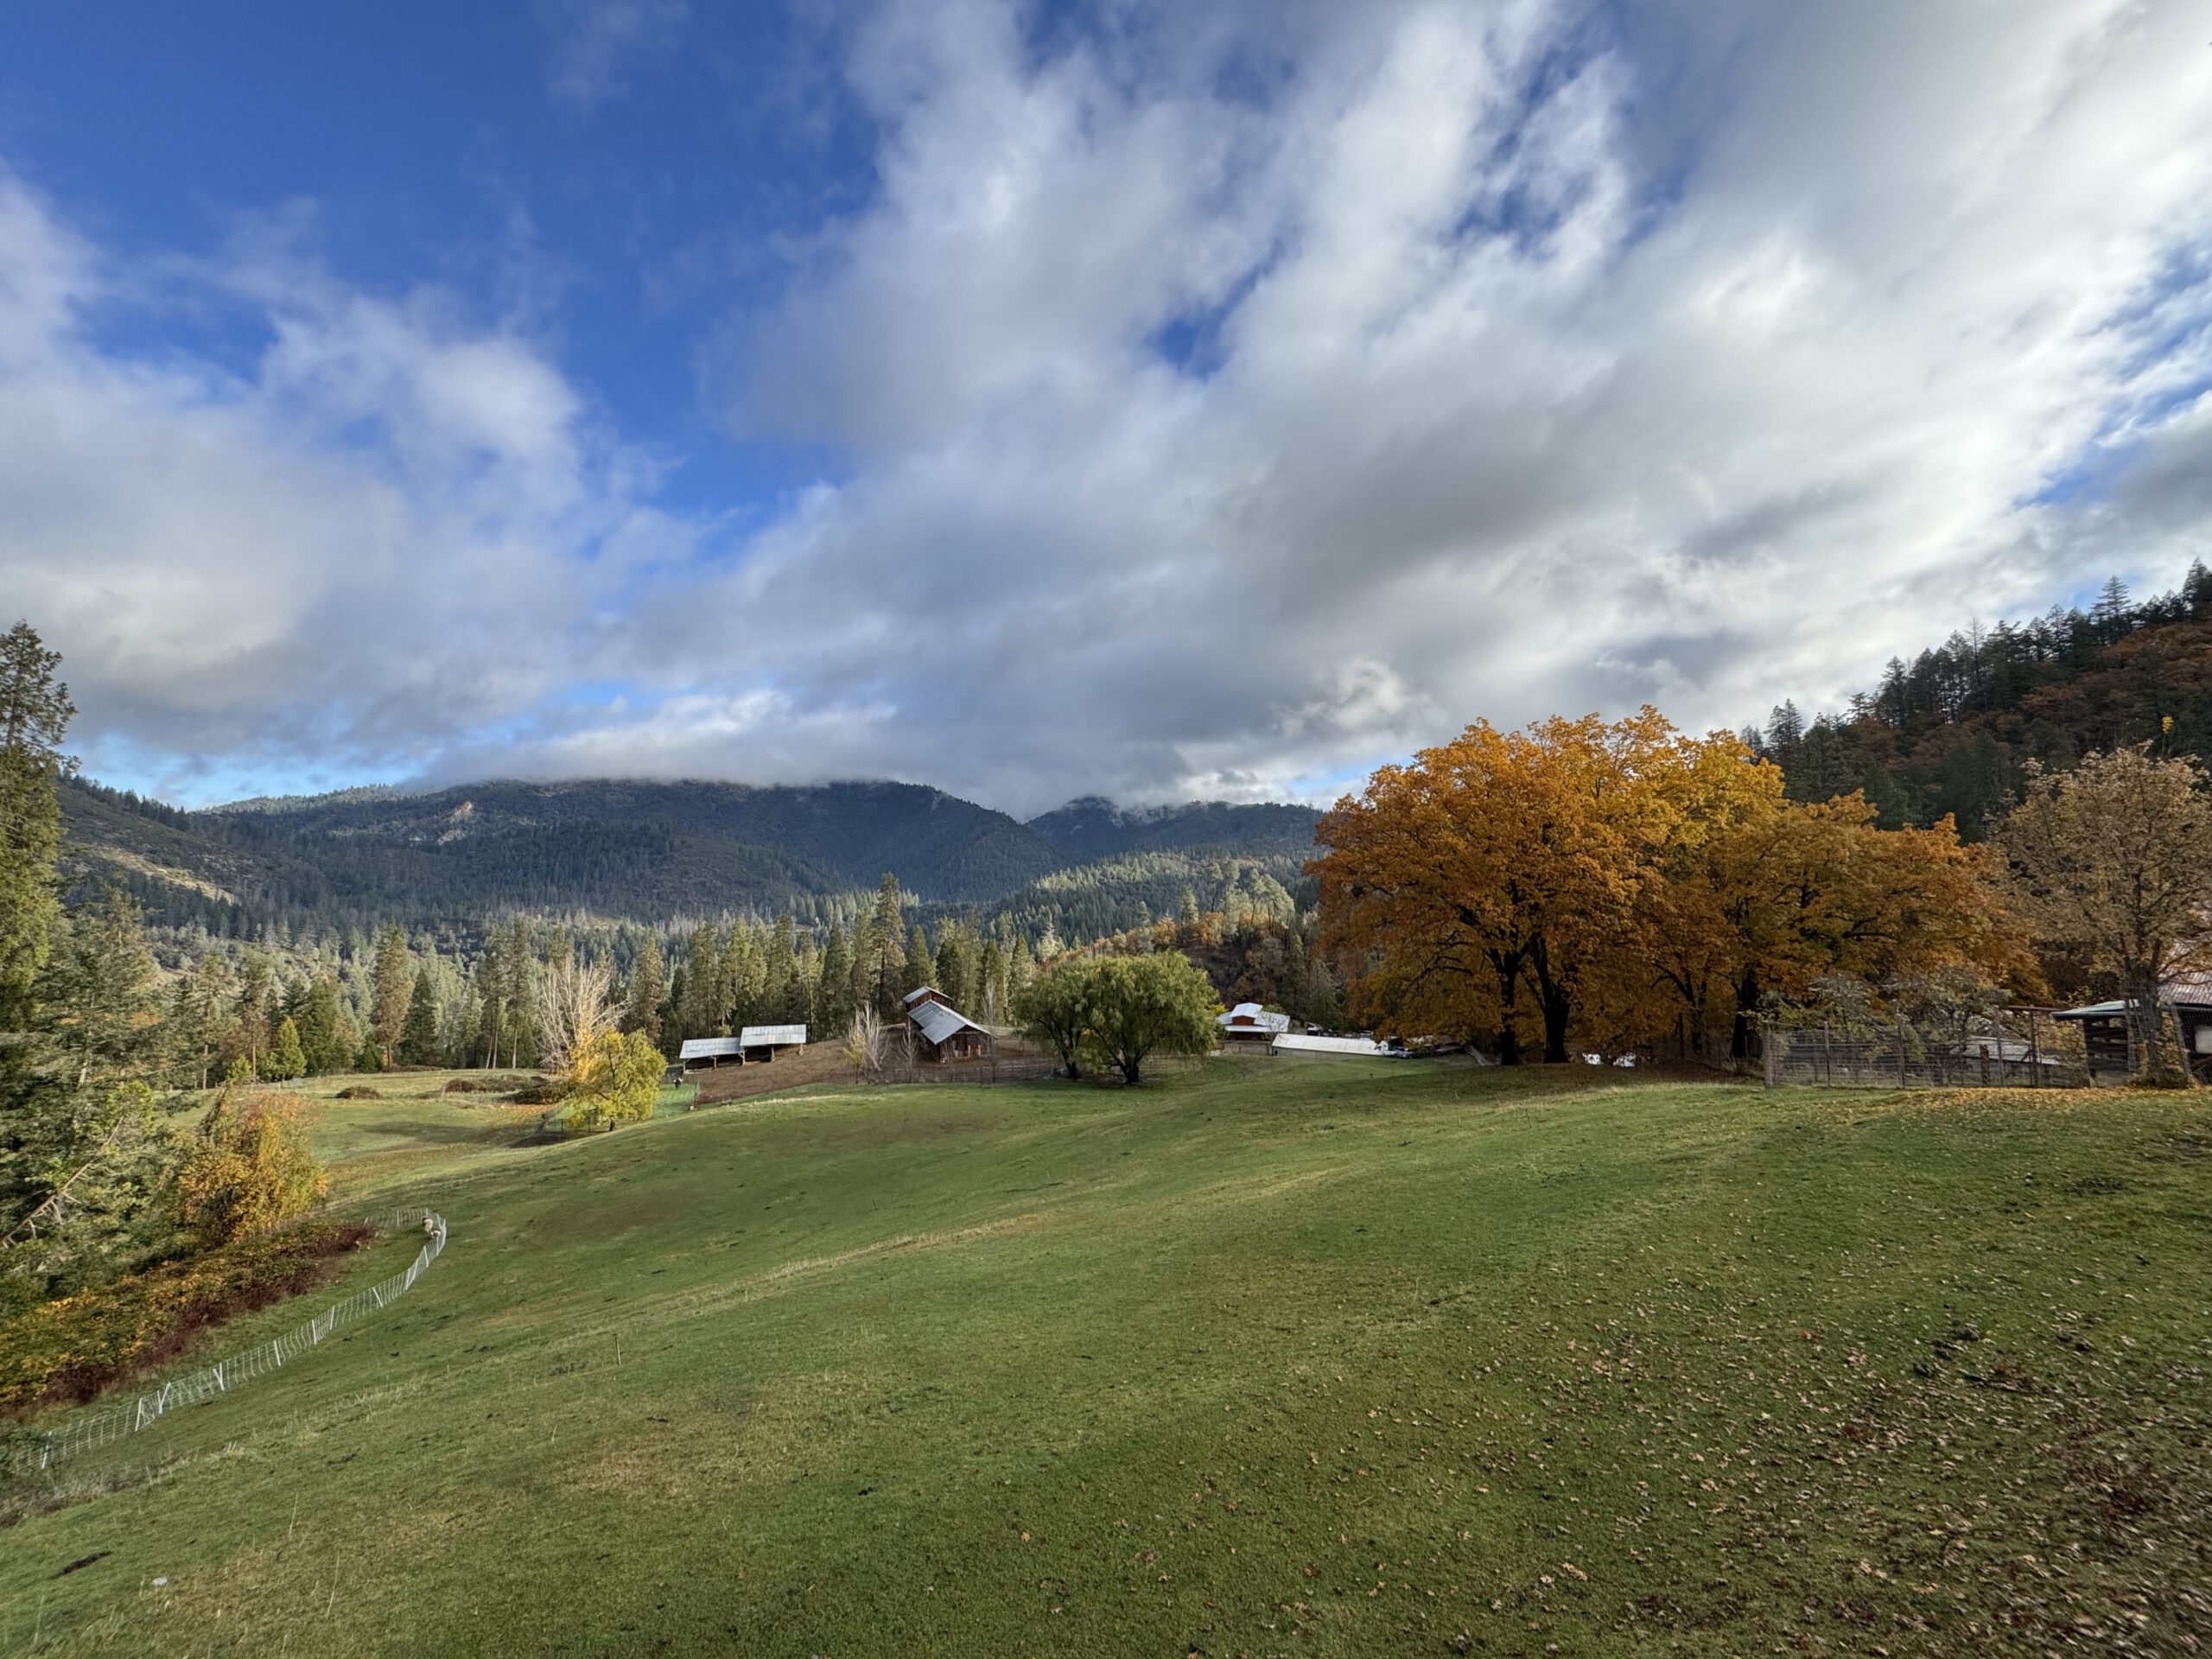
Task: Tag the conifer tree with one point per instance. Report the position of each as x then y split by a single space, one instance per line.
98 988
702 1011
250 1031
779 971
833 999
885 956
322 1044
418 1034
919 967
35 712
194 1030
389 1010
286 1059
641 1012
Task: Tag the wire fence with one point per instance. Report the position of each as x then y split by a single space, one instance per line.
2018 1048
106 1424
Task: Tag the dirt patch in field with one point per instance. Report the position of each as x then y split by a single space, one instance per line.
792 1069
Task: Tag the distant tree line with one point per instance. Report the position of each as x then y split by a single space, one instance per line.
1954 731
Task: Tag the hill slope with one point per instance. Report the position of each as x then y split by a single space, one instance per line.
1344 1361
1954 730
1093 828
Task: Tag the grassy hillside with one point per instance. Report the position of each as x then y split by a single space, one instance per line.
1350 1359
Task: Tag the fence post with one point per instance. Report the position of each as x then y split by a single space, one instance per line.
1902 1080
1770 1052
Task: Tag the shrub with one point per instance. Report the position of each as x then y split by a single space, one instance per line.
68 1350
250 1169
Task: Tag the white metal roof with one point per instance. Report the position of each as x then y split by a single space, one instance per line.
1250 1016
920 992
940 1021
772 1037
1288 1044
707 1048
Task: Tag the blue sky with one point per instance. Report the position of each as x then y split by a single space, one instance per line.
1150 400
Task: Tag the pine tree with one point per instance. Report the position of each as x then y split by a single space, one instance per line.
389 1010
194 1026
886 958
642 1010
320 1045
35 712
98 987
919 967
250 1020
286 1059
833 998
779 971
703 1011
418 1034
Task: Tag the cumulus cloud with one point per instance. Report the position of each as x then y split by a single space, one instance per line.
389 531
1223 400
1492 360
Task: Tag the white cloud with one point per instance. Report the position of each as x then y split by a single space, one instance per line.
1533 390
368 545
1226 399
598 45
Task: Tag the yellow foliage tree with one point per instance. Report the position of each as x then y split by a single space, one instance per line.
250 1168
613 1078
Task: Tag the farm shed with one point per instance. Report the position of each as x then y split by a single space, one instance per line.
708 1051
1248 1022
942 1032
2106 1035
915 998
759 1043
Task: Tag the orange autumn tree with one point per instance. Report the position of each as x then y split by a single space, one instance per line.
1793 892
1607 882
1482 887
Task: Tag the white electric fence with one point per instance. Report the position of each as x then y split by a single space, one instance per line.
99 1427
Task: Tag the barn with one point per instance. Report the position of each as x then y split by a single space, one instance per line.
941 1031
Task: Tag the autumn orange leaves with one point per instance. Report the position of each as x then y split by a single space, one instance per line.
1587 885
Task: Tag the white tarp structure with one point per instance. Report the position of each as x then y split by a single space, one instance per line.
1288 1044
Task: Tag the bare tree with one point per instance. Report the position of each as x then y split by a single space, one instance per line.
864 1043
575 1003
2116 857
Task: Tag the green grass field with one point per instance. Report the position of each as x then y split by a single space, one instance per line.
1354 1358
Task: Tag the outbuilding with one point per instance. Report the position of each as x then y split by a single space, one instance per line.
758 1043
1248 1022
942 1032
2107 1032
708 1051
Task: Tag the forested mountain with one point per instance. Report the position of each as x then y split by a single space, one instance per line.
1093 828
652 852
1954 730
